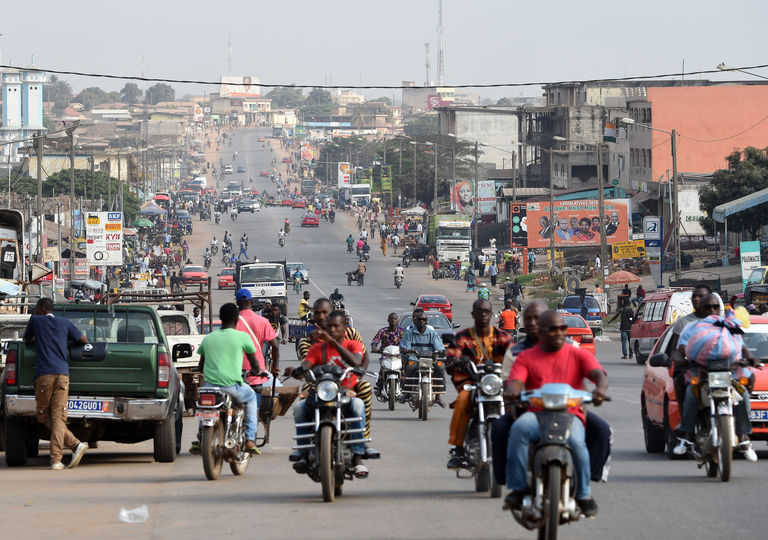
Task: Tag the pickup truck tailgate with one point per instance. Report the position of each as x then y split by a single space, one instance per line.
123 369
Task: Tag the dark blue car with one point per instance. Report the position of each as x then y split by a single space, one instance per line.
594 316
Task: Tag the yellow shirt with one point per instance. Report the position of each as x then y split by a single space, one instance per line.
303 308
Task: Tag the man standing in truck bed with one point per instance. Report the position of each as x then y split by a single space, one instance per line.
50 335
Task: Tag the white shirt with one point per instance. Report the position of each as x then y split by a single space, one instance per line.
419 228
395 240
399 271
597 262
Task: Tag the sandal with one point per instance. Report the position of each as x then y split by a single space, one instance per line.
361 471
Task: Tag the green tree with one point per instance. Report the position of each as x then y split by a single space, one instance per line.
318 96
160 92
505 101
114 97
747 172
58 183
383 99
287 96
59 92
422 126
131 93
91 96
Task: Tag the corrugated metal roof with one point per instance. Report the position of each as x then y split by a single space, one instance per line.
724 210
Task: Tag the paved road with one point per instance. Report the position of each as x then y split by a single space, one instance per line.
409 493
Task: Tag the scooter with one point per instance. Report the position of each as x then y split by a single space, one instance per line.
281 241
391 373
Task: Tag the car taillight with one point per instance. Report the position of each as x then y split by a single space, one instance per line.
163 368
587 338
207 400
10 366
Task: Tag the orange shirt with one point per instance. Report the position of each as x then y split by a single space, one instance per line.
508 319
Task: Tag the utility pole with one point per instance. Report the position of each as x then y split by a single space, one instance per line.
120 182
415 198
675 207
453 176
93 182
514 179
474 205
601 211
39 145
72 242
57 266
399 174
552 227
434 189
109 185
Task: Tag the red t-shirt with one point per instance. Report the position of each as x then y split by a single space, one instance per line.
315 357
569 365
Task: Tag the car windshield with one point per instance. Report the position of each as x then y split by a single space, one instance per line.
433 300
756 276
193 269
228 272
756 340
249 274
575 322
574 302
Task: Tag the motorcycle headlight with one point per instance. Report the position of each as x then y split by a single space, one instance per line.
554 401
327 390
719 379
490 384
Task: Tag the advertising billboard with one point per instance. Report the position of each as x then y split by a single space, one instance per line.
486 197
576 223
104 238
344 175
239 87
386 178
628 250
463 198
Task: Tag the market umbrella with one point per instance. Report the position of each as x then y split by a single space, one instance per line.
143 222
161 197
151 209
621 277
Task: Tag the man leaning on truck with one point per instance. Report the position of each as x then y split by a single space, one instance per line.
50 335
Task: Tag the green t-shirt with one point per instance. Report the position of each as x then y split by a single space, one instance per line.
223 350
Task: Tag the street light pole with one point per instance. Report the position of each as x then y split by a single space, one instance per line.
475 242
552 227
675 207
601 211
434 188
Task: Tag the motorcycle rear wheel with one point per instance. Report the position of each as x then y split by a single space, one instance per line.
725 448
551 503
327 478
210 441
392 393
424 405
239 467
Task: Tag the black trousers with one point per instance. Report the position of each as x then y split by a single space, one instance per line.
598 439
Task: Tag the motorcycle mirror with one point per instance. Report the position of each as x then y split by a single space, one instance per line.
659 360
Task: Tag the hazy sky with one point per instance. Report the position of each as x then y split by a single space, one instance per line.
382 42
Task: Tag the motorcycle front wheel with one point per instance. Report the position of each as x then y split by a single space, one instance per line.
210 442
392 393
725 448
239 467
424 405
551 504
327 478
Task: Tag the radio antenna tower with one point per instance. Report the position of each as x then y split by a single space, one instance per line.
440 45
426 63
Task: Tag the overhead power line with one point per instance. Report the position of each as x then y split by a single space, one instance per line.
381 86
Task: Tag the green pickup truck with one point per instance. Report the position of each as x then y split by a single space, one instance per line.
123 384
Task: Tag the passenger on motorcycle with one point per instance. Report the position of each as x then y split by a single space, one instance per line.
407 255
552 361
508 318
280 235
221 362
399 271
391 334
421 338
360 244
304 307
321 310
479 344
697 339
483 293
350 242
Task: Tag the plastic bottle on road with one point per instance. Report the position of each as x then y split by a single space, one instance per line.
137 515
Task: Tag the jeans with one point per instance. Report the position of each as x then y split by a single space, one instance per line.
598 437
51 394
740 413
303 412
242 252
625 334
524 431
242 393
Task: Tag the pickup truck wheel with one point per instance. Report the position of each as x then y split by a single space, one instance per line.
16 443
179 428
165 440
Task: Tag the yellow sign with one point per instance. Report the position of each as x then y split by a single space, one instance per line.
628 250
93 220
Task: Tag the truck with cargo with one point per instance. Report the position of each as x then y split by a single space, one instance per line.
123 387
450 236
308 187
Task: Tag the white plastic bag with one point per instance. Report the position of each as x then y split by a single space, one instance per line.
137 515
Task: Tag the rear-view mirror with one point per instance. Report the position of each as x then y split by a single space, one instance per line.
181 350
659 360
456 325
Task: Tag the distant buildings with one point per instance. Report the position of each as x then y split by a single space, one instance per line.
22 116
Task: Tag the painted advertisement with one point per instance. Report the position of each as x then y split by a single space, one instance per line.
749 253
486 197
463 198
628 250
104 238
344 175
576 223
239 87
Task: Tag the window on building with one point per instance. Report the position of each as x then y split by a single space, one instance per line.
650 156
649 115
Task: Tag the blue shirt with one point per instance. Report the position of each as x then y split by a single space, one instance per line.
428 342
52 335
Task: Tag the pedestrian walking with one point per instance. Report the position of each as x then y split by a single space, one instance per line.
493 271
243 250
457 273
51 336
625 327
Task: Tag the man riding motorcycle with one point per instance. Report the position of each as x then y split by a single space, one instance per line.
391 334
399 272
480 344
304 308
420 338
336 296
552 361
350 242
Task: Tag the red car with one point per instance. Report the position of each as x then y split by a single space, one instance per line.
264 173
227 278
659 408
310 220
435 302
298 203
286 160
287 202
194 274
580 332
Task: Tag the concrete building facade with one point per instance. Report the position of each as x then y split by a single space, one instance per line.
22 92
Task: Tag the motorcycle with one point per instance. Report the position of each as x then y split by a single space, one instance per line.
398 281
406 262
329 458
233 215
207 261
422 390
214 249
226 252
715 436
217 218
349 248
332 218
551 500
281 241
391 372
222 426
364 256
487 407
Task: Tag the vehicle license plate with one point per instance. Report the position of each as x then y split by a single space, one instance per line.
759 415
207 414
90 407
